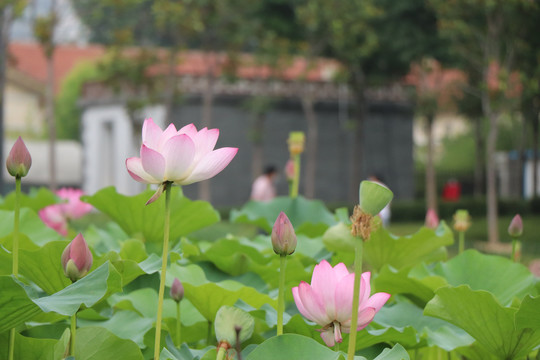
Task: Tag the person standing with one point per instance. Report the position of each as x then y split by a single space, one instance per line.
263 188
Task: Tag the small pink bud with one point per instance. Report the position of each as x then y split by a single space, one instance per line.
289 170
283 236
516 227
76 259
432 220
19 160
177 290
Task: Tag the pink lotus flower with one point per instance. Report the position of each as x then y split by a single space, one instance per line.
328 300
432 220
182 156
57 216
516 227
76 259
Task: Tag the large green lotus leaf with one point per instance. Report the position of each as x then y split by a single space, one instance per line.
95 286
294 346
474 351
309 217
104 239
136 218
427 245
419 289
500 276
35 349
338 239
30 225
208 298
192 274
36 199
482 316
16 307
96 343
398 352
436 332
232 257
528 315
129 269
171 352
124 324
407 336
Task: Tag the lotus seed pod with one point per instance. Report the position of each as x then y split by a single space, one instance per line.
228 320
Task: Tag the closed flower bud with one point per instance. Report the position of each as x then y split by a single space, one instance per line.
296 142
462 220
283 236
76 259
19 160
177 290
228 320
516 227
432 220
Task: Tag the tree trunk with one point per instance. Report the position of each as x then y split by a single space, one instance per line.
208 102
479 158
431 178
491 179
358 88
535 154
257 153
311 146
5 21
170 90
49 99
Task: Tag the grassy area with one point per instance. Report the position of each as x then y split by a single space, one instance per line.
478 232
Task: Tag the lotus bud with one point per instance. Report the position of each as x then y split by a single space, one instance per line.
228 320
296 142
19 160
374 197
462 220
283 236
432 220
177 290
516 227
76 259
289 170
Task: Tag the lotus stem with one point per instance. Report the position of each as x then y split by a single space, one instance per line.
73 333
221 353
296 178
178 324
281 293
209 333
461 241
15 253
157 343
356 297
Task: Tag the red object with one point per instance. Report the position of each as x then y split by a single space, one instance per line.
451 191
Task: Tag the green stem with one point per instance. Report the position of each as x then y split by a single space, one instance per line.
221 353
178 324
209 334
461 241
356 297
157 343
73 333
15 253
281 294
296 179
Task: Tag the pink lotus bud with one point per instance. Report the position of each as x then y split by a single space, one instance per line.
289 170
177 290
283 236
76 259
432 220
19 160
516 227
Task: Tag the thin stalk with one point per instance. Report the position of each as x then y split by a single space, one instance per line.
209 334
178 324
515 255
15 253
221 353
296 179
157 343
281 293
461 241
356 297
73 333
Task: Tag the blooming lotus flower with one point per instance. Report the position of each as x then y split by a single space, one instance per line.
76 259
57 216
328 300
283 236
182 156
177 290
432 220
19 160
516 227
